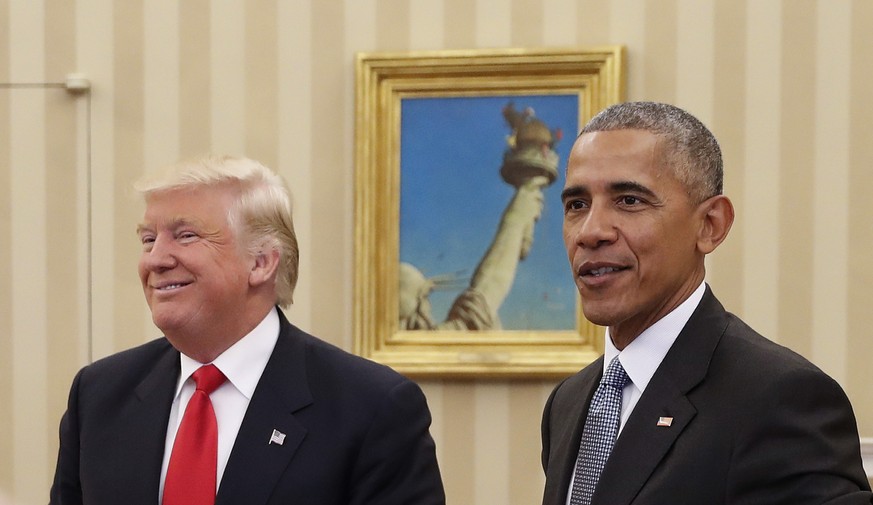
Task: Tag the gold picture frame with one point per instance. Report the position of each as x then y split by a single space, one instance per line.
592 77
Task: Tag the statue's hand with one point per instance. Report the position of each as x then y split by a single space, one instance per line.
536 182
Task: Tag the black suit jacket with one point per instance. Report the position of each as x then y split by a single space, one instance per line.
753 423
356 432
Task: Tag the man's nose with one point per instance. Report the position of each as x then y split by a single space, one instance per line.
596 228
160 255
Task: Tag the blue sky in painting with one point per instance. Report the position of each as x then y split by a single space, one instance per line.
452 198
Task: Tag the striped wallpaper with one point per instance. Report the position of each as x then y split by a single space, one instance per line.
783 84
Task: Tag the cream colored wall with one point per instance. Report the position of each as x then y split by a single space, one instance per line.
784 85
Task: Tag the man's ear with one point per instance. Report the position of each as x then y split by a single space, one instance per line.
265 266
716 217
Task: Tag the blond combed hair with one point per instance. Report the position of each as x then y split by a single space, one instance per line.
260 218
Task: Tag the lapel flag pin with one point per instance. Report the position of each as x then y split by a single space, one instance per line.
277 438
665 421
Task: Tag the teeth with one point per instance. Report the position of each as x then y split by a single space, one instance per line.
171 286
601 271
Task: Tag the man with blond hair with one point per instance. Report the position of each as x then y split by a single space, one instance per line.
235 405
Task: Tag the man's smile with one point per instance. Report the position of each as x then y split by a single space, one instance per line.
598 269
597 272
169 285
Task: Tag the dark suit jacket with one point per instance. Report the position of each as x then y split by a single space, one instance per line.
753 423
356 432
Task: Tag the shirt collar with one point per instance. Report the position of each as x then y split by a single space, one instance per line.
642 357
243 362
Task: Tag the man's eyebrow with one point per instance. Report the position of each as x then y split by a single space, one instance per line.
172 223
573 191
630 187
615 187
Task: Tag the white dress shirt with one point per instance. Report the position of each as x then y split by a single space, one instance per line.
642 357
242 364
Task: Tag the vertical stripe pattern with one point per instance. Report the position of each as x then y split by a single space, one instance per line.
194 114
728 125
761 192
784 84
6 372
796 173
830 261
28 261
860 267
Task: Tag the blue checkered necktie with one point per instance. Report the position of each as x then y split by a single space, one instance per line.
599 433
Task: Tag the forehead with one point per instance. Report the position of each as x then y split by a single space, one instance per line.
616 155
615 147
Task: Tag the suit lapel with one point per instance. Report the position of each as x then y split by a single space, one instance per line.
565 443
642 444
147 427
255 464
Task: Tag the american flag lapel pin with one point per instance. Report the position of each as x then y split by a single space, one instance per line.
665 421
277 438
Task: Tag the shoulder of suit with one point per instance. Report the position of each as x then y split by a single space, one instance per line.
745 357
326 358
141 356
740 338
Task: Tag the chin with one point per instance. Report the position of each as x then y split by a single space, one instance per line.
600 316
166 320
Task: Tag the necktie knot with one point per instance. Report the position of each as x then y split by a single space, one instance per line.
208 378
615 376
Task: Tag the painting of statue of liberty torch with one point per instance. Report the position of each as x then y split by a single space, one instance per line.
439 258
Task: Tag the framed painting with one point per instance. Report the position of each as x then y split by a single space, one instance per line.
460 266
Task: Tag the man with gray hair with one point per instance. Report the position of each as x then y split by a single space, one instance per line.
688 405
235 405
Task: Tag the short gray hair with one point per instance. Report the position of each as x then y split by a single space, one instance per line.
690 149
261 216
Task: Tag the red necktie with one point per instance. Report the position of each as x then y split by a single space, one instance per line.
191 474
